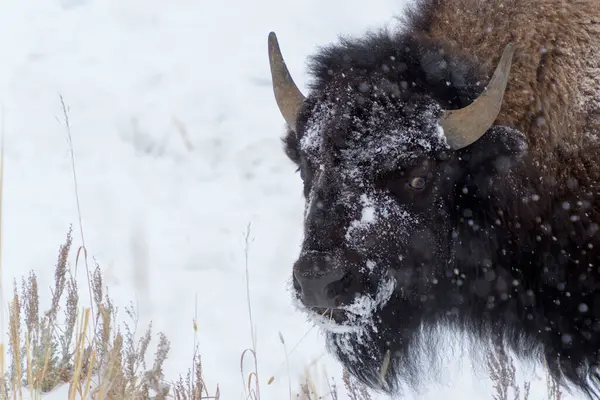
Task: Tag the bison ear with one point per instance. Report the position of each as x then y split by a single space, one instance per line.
497 151
290 146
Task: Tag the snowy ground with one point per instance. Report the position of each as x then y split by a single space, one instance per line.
165 213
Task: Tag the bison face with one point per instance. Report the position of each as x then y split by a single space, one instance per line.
381 161
380 183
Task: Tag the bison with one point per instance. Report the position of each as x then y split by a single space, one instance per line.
451 172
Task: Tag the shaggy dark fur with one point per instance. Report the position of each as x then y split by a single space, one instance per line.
503 241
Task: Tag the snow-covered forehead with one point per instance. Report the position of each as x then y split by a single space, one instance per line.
361 132
347 144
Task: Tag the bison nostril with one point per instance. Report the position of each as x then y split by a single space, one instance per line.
342 290
324 280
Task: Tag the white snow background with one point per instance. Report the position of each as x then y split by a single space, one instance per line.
165 213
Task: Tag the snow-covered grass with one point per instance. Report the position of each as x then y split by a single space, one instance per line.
176 138
83 351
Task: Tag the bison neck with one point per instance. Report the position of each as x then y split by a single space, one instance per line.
530 259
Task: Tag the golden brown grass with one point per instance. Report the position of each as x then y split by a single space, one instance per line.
502 371
62 345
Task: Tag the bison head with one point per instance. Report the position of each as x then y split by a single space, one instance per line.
382 166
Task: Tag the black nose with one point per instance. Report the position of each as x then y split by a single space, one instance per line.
324 280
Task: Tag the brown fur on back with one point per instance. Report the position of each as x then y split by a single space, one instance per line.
553 94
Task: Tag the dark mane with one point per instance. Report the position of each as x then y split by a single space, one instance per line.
428 67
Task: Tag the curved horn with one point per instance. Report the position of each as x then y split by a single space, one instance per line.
464 126
288 96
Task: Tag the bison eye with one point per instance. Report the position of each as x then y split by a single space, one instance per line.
301 172
417 183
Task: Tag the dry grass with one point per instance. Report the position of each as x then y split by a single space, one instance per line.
503 373
63 345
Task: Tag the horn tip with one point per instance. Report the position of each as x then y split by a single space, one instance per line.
273 43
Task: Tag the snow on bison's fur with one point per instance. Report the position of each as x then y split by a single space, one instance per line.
452 180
